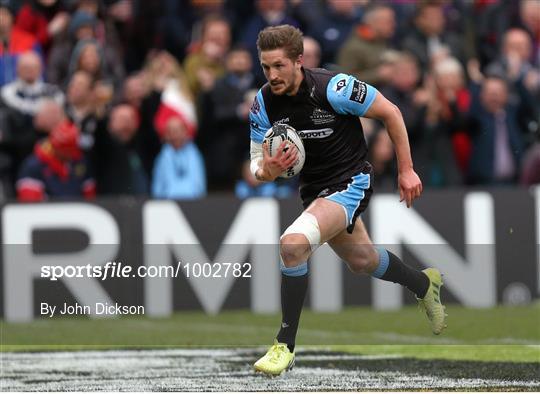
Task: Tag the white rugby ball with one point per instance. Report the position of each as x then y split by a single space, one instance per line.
283 132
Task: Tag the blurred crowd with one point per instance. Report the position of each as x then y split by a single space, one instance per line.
151 98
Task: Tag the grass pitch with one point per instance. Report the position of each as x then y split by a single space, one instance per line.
357 349
499 334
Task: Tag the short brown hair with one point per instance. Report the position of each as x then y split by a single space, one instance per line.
285 37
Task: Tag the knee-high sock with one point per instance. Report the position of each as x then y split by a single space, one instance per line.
294 283
392 269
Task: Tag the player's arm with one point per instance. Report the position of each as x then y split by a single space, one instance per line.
410 186
264 167
349 96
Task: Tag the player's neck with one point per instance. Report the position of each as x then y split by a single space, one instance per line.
298 81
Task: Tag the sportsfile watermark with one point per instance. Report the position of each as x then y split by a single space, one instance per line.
118 270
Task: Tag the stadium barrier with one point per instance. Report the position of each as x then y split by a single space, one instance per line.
487 243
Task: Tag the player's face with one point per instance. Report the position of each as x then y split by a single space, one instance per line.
283 74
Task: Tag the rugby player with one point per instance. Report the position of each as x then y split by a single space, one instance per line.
335 182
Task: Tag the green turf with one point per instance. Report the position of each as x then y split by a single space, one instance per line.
499 334
513 353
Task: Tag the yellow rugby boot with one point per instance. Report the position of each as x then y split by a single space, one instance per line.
431 303
276 360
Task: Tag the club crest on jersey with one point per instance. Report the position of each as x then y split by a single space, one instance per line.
359 92
340 85
320 116
255 107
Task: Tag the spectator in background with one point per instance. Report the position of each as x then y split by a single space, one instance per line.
57 168
455 100
429 38
491 20
138 94
80 107
207 62
403 89
120 166
226 120
334 26
445 116
44 19
166 92
49 115
104 13
135 89
82 30
146 28
515 59
238 13
312 53
13 42
361 55
175 99
176 23
268 13
179 170
515 65
529 13
497 140
201 8
81 27
25 94
21 100
88 56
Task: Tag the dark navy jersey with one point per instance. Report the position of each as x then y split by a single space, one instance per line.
38 175
325 114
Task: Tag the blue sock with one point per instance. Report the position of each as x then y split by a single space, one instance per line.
384 261
392 269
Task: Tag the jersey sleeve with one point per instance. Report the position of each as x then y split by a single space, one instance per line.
258 119
349 96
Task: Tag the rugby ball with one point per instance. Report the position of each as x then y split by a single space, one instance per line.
283 132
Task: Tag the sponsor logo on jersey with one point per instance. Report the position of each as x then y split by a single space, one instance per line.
255 107
313 134
359 92
282 121
340 85
320 116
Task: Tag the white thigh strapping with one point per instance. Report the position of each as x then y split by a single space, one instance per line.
307 225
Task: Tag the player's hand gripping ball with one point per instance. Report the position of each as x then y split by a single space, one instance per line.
283 132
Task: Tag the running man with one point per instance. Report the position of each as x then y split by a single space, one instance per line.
335 182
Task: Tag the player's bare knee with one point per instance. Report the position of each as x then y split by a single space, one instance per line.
294 249
358 266
364 262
